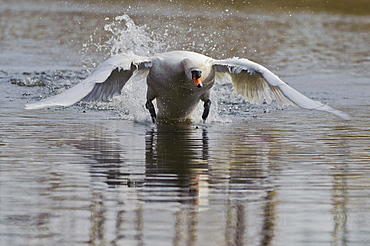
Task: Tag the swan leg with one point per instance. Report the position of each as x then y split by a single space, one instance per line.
149 105
207 106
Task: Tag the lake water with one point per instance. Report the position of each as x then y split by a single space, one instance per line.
102 174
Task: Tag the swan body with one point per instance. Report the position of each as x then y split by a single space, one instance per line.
179 80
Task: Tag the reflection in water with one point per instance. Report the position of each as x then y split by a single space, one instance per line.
177 170
188 185
177 158
340 195
340 203
247 177
107 154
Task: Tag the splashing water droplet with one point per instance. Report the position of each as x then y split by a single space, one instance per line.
123 36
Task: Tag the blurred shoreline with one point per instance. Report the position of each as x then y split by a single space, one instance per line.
354 7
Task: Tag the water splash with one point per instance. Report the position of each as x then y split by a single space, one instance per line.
131 104
121 35
127 36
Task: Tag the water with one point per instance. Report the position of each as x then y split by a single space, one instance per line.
102 174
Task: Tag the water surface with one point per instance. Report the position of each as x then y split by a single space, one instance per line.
102 174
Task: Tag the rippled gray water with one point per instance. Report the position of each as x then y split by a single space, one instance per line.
102 174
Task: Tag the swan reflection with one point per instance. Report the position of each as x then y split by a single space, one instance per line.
177 156
188 176
174 166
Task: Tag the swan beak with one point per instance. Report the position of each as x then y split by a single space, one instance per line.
198 82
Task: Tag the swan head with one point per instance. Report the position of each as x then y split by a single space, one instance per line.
196 75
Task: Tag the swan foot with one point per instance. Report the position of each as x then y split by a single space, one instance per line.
207 106
149 105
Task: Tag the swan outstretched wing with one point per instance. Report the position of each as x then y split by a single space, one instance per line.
258 84
104 82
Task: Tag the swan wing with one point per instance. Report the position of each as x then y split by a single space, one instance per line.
258 84
104 82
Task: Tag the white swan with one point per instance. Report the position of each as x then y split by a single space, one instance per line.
178 80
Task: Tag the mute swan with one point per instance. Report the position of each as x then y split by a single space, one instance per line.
178 80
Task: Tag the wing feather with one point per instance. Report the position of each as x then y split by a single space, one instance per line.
110 87
258 84
104 82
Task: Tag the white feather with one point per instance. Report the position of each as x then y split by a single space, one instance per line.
258 84
98 76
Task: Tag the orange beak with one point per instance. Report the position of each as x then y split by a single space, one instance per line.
197 81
